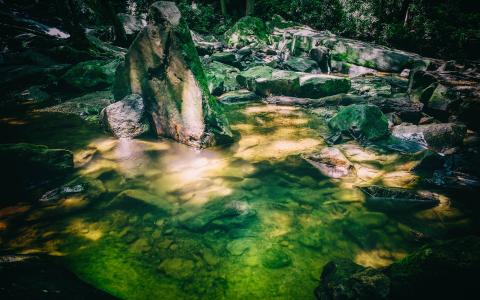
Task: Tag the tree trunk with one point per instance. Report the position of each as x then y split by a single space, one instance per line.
250 7
223 5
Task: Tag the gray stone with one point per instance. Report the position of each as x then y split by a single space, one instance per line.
331 162
126 118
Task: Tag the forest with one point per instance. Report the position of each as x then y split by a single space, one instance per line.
239 149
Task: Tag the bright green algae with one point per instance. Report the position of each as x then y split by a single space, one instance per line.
249 221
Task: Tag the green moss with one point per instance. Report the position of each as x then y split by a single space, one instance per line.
367 119
247 30
92 74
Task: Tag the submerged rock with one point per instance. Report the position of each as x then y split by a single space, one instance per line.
246 31
178 268
331 162
397 199
217 215
439 137
300 64
365 120
343 279
321 55
91 75
276 258
162 66
126 118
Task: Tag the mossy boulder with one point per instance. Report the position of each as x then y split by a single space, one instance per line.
300 64
321 85
162 65
221 77
247 78
366 120
267 81
30 167
91 75
246 31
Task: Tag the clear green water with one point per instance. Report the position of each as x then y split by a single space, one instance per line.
251 221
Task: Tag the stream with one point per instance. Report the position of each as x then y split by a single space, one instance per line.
154 219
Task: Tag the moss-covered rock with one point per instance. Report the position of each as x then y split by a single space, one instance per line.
162 65
221 77
276 258
367 120
247 78
267 81
246 31
91 75
300 64
321 85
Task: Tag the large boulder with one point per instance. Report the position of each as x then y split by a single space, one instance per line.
246 31
452 89
91 75
267 81
302 39
31 167
300 64
126 118
367 121
132 25
162 65
439 137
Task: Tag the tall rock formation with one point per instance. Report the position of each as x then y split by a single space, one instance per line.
162 65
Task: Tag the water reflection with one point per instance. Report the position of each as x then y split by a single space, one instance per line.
249 221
